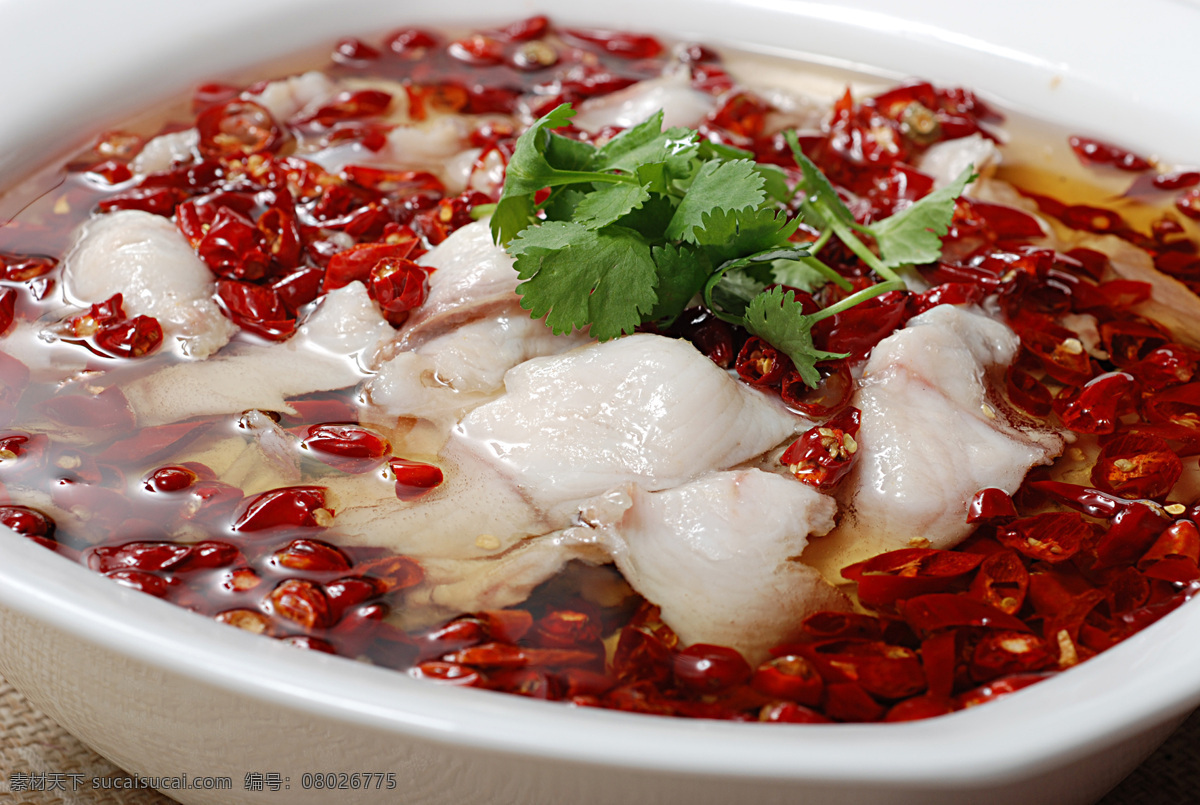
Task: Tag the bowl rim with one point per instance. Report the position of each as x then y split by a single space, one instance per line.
1026 733
1039 728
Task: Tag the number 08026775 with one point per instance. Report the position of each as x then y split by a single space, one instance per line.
345 781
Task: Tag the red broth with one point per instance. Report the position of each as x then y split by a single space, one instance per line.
1049 577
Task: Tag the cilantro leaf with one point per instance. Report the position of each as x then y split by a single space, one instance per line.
775 182
777 318
730 234
801 274
576 277
646 144
727 186
561 204
533 167
822 206
735 282
914 235
682 272
609 204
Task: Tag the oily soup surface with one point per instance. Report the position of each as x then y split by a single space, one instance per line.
876 450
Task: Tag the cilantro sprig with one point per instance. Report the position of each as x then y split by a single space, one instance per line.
632 231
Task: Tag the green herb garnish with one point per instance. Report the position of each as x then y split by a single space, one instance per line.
631 231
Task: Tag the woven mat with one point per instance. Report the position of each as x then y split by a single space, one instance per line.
32 747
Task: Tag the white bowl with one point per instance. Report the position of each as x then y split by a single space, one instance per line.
162 692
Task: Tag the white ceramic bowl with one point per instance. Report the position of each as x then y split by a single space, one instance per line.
164 693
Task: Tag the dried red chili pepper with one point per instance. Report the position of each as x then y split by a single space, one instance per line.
291 507
618 43
147 556
27 522
1097 405
933 612
848 701
1134 529
1175 555
1092 151
890 577
991 505
448 673
825 454
883 670
311 555
302 602
830 396
841 625
504 655
643 653
141 581
1002 653
256 308
351 448
790 713
134 338
998 688
566 628
703 668
398 285
1001 582
1179 405
356 263
790 677
1049 537
1135 465
919 707
1060 352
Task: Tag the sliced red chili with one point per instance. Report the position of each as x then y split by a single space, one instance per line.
885 579
825 454
704 668
312 555
998 688
830 396
134 338
618 43
302 602
1098 152
1134 465
566 628
1134 529
919 707
931 613
237 128
1179 405
1007 652
292 506
1175 555
991 505
790 713
1128 341
348 447
790 677
841 625
1096 407
1060 352
1001 582
886 671
1049 537
256 308
1027 392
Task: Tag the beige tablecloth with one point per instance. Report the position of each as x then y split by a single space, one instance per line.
31 746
